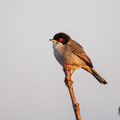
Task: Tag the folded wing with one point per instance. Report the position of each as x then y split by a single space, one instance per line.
77 49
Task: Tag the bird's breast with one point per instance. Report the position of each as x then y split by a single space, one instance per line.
58 53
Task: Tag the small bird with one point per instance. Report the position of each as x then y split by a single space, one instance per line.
71 54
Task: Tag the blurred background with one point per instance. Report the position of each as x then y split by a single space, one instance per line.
32 82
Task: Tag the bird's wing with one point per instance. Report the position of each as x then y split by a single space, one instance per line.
77 49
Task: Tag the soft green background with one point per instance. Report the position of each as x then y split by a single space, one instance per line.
32 82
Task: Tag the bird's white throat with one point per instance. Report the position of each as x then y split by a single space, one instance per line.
58 52
58 47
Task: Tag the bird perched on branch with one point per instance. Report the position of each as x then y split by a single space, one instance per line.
71 55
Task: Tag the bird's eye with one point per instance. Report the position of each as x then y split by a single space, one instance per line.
60 39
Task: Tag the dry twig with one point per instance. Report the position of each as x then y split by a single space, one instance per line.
69 83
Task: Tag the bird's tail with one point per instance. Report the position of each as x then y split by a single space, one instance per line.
98 76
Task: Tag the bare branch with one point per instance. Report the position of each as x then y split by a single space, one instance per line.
69 83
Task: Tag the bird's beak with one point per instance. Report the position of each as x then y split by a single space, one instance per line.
54 41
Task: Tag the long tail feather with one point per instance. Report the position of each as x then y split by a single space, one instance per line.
98 76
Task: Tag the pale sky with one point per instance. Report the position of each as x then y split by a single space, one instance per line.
32 82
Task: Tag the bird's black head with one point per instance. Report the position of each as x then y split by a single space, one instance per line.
62 37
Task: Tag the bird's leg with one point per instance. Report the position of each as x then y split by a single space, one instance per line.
72 72
66 68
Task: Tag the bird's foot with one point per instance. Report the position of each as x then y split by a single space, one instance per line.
66 68
72 73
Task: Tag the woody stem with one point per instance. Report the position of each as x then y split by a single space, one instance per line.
69 83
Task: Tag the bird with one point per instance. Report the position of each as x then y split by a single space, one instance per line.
70 53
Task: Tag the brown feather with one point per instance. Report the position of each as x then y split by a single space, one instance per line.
77 49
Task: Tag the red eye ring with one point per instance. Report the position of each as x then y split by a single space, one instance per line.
60 39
